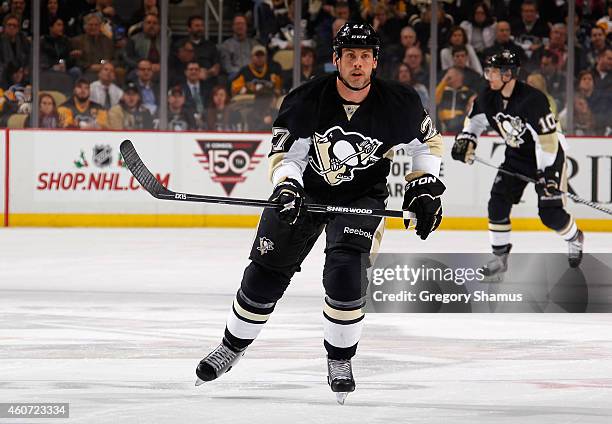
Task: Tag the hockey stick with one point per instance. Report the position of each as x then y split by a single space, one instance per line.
157 190
522 177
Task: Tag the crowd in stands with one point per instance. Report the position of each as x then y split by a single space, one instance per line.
101 69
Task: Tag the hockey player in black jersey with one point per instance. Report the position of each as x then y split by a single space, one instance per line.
521 115
333 142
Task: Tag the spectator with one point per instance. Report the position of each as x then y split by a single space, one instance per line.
264 111
529 30
452 98
48 117
414 60
80 112
309 68
180 117
480 28
386 25
328 66
55 50
236 51
458 38
283 38
557 45
584 120
605 22
14 45
471 78
603 71
598 44
135 23
181 57
538 81
196 92
269 17
18 8
104 91
503 41
18 96
404 77
51 13
92 48
129 113
421 23
555 80
109 21
149 91
219 116
600 101
397 52
205 51
258 75
144 45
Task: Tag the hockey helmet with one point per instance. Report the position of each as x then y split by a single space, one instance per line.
504 61
357 36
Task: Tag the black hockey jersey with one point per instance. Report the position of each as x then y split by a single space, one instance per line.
524 121
343 151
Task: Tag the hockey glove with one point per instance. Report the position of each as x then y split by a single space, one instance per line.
290 194
464 147
422 197
547 184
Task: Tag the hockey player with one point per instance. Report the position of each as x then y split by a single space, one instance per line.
521 115
333 142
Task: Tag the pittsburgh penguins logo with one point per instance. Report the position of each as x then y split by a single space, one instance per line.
511 128
339 153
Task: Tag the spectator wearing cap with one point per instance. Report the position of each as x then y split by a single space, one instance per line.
503 41
149 90
236 50
129 113
480 28
205 51
196 91
219 117
180 116
104 90
91 49
14 45
308 63
144 45
258 75
80 112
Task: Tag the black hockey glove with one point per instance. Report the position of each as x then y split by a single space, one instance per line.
422 197
464 147
290 194
547 184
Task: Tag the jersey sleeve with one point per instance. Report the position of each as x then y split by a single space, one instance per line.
475 122
542 124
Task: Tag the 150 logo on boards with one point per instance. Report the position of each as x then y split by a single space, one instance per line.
101 170
228 161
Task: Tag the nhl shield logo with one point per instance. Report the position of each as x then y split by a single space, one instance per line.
102 155
339 153
511 128
265 245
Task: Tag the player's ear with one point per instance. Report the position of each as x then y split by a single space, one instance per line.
334 58
374 63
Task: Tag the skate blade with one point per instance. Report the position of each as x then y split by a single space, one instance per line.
341 397
199 382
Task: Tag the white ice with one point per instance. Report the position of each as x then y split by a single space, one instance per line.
114 321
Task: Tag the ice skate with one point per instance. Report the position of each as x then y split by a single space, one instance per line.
340 378
218 362
574 246
496 268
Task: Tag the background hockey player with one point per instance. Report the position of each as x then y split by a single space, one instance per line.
333 142
521 115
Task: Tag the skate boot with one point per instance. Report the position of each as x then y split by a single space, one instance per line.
218 362
574 246
495 269
340 378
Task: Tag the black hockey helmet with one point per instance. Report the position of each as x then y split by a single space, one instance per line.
504 60
357 36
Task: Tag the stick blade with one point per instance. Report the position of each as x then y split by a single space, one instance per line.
139 170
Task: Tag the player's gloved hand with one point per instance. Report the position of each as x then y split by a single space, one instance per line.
422 197
547 184
290 194
464 148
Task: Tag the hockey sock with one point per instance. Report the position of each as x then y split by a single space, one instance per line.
246 319
569 231
499 232
343 322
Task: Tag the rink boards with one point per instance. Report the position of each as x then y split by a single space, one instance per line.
77 178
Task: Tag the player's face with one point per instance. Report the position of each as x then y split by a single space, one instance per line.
356 66
496 78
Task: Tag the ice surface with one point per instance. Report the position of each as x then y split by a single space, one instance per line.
114 321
